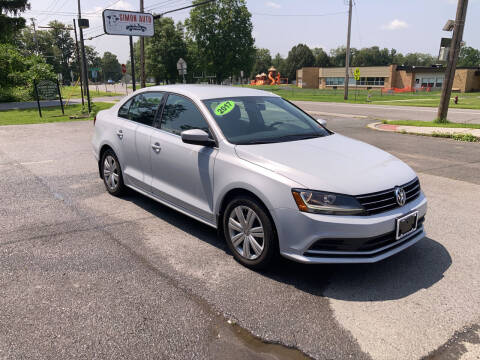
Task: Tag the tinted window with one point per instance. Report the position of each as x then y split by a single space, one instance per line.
123 112
144 107
180 114
261 119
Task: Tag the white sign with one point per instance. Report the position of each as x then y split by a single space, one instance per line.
181 64
119 22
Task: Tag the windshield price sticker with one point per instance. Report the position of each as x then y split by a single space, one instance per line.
224 108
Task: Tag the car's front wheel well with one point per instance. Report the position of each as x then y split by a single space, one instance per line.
229 196
102 151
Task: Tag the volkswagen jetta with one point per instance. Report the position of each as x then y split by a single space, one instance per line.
272 179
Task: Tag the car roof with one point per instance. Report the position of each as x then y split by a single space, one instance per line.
202 92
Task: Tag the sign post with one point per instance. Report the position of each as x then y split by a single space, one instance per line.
128 23
38 99
356 75
124 71
60 97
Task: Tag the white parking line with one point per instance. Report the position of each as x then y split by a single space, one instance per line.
36 162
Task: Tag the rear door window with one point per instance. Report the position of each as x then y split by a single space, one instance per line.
144 107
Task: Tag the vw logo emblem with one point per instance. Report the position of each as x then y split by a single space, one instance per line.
400 196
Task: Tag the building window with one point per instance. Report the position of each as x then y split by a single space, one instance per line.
334 81
371 81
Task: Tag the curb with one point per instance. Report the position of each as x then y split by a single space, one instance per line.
425 131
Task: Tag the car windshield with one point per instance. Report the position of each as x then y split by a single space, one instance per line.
262 120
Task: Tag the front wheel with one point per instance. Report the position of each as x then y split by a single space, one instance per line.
250 233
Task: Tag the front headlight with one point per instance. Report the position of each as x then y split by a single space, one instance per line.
326 203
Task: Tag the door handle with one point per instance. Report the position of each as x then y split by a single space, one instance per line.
156 147
120 134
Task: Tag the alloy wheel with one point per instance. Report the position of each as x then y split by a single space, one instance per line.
246 232
110 172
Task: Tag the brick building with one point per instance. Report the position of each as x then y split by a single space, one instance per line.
389 77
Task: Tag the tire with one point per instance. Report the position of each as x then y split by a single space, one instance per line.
112 173
260 252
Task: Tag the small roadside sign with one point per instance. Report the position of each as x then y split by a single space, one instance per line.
181 64
356 74
124 68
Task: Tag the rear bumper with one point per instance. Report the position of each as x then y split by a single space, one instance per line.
301 235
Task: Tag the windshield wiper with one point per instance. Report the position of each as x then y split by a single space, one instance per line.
281 139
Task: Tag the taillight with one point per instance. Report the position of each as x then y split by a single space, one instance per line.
94 119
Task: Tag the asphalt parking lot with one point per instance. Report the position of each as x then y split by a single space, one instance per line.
87 275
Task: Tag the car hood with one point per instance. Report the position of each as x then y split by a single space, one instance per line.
333 163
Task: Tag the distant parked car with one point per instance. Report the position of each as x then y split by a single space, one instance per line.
110 81
136 27
272 179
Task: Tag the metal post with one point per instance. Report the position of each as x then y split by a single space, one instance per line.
38 100
142 54
347 55
452 60
132 63
84 61
79 61
35 35
60 97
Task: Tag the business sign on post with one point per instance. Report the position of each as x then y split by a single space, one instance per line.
129 23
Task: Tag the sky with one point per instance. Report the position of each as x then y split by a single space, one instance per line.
405 25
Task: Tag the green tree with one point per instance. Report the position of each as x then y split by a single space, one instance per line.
111 67
321 57
63 47
298 57
280 64
164 49
263 60
18 71
10 26
419 59
372 56
469 57
223 32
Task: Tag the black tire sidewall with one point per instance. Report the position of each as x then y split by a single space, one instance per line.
121 187
270 249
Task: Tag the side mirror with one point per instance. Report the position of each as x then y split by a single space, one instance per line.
322 122
197 137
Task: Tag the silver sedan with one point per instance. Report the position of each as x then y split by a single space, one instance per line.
268 176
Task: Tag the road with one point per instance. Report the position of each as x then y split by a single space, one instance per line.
384 112
84 274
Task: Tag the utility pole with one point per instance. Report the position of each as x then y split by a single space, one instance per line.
142 54
132 64
35 35
79 61
84 61
452 60
347 55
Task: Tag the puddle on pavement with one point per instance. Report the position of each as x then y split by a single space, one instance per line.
250 344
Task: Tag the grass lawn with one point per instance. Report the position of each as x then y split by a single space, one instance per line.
50 114
73 92
426 99
431 124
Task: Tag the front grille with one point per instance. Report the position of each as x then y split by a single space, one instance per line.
381 201
359 244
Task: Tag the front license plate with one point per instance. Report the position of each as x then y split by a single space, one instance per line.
407 224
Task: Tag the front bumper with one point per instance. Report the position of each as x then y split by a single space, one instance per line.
300 234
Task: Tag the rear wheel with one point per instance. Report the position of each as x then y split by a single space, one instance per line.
249 232
112 173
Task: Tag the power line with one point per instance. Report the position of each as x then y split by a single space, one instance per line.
302 15
183 8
